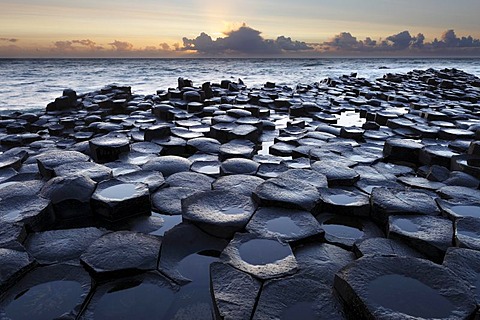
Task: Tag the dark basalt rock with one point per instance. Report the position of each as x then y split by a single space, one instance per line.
146 147
287 225
136 158
153 179
459 194
297 298
344 202
70 196
345 231
11 232
61 246
384 247
168 165
271 170
402 151
34 212
115 200
220 213
239 183
61 288
239 166
15 263
337 174
429 235
386 202
204 145
237 149
119 168
169 200
261 257
293 194
234 292
467 233
49 161
320 261
371 287
108 148
310 176
465 263
191 180
420 183
209 168
157 132
462 179
181 242
122 253
94 171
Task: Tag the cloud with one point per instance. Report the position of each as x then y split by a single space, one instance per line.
121 45
13 40
88 43
402 43
400 40
76 45
244 40
343 40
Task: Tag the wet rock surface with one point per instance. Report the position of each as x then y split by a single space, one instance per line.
327 169
122 252
220 213
401 287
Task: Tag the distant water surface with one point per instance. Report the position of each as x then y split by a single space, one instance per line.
30 84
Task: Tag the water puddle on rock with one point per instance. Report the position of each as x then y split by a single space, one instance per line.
343 227
45 301
263 251
284 226
467 211
206 167
138 301
342 199
349 119
119 192
265 150
300 310
194 300
409 296
406 225
168 223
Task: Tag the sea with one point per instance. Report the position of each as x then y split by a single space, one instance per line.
28 85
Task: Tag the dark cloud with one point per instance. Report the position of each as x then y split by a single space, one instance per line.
245 40
344 40
121 45
400 40
13 40
402 43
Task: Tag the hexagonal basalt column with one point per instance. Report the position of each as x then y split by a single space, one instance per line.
403 288
260 257
114 200
220 213
107 148
122 252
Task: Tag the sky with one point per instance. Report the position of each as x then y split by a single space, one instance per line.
303 28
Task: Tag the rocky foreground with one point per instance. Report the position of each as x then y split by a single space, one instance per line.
341 199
